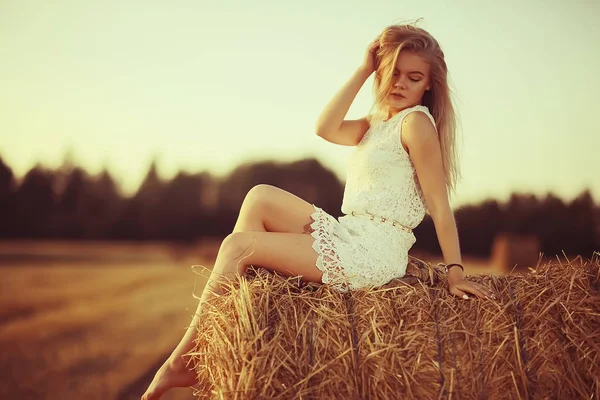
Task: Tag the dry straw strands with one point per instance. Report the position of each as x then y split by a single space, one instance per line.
274 337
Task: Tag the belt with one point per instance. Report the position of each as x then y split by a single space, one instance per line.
382 219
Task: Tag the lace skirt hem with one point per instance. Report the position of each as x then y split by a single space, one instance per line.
334 246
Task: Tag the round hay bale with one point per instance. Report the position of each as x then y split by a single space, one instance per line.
512 252
269 337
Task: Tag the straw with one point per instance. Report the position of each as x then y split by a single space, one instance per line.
269 336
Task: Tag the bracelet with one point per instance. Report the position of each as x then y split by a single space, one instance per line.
448 266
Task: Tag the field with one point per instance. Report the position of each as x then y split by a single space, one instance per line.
91 321
95 320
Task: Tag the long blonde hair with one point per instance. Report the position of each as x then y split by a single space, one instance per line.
392 40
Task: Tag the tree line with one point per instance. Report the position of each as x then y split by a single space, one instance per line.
69 203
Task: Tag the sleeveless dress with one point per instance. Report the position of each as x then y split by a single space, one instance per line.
356 250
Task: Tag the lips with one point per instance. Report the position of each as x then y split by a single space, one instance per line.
398 94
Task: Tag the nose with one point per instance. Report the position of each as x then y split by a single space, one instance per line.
399 84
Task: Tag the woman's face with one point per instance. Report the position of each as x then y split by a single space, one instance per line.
409 82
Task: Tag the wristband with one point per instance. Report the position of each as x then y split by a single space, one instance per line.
448 266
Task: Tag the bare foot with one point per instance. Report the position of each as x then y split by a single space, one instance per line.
173 373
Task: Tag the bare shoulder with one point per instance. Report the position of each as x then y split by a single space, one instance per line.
417 130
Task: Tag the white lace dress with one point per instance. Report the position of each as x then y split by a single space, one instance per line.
355 251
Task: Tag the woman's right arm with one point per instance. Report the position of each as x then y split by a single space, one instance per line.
331 125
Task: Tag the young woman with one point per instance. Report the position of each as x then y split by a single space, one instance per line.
403 167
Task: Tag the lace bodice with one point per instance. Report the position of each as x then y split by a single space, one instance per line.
381 178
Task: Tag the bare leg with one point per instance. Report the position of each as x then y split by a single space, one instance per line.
264 207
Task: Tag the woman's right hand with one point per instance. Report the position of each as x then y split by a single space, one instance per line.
370 61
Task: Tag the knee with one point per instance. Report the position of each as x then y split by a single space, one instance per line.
237 247
258 195
238 243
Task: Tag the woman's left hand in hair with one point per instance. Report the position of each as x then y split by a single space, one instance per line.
461 286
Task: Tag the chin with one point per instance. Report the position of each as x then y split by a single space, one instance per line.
399 104
402 102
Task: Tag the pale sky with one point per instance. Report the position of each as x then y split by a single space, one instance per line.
206 85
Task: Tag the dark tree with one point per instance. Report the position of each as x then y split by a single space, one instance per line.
35 205
7 201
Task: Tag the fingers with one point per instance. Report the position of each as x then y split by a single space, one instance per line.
457 292
488 292
374 46
375 43
473 288
479 293
485 292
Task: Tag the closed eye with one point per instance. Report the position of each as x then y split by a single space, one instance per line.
413 80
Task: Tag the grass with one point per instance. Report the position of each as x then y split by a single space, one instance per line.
91 329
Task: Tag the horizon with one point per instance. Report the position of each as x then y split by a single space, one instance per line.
68 167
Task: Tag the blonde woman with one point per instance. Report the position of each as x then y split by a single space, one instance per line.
403 166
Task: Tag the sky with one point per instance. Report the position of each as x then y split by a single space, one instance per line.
205 86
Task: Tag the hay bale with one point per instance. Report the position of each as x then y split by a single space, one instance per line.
275 337
511 252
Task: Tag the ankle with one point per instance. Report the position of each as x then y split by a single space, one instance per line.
178 362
